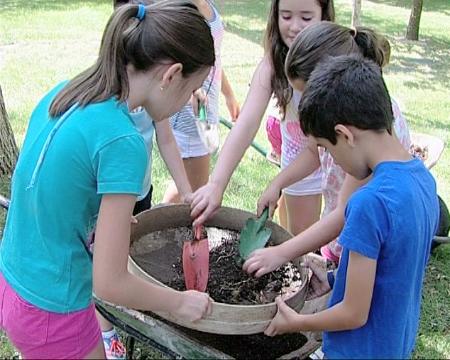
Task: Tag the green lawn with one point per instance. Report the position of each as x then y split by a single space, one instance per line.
45 41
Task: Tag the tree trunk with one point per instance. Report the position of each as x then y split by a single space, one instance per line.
412 32
8 147
356 13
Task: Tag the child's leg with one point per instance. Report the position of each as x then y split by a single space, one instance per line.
282 212
302 211
197 170
98 352
105 325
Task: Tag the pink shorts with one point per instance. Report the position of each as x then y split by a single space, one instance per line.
40 334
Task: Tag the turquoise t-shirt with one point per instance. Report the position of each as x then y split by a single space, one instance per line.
97 150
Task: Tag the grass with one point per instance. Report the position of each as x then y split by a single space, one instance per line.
43 42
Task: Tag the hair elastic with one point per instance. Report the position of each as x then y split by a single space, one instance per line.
353 31
141 12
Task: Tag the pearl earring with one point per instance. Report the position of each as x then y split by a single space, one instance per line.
161 88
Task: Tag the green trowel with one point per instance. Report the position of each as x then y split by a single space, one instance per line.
254 235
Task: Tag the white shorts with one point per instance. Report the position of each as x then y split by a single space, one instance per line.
311 185
190 145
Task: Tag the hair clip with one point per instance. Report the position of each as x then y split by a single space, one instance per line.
141 12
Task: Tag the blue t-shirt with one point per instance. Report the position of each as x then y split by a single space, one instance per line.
97 150
391 220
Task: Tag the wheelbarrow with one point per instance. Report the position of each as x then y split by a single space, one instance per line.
229 331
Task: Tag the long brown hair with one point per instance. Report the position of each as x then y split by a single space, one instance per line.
170 30
277 50
319 41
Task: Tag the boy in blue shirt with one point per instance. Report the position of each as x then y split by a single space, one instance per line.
389 223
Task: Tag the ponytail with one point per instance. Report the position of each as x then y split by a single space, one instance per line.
319 41
166 32
373 46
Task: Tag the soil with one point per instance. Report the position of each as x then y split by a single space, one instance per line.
159 254
419 152
227 283
255 347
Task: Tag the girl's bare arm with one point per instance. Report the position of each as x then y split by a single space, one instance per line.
208 198
111 279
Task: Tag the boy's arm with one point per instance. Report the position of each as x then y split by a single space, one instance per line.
230 99
351 313
328 228
171 156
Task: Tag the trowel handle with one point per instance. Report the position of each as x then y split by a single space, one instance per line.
202 112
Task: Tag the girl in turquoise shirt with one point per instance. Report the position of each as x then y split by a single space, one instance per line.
82 145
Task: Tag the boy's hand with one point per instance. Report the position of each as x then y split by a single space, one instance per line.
194 306
233 107
269 199
285 321
263 261
318 284
205 202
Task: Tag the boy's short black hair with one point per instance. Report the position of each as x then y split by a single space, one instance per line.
347 90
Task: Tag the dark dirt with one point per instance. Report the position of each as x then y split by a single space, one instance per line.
229 284
159 254
255 347
419 151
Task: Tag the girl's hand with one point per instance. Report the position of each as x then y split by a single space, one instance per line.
286 320
198 98
269 199
263 261
233 107
186 198
205 202
194 306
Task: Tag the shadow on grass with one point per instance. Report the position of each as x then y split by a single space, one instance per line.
425 60
428 5
13 5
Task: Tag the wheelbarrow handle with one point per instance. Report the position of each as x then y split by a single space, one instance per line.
441 239
4 202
